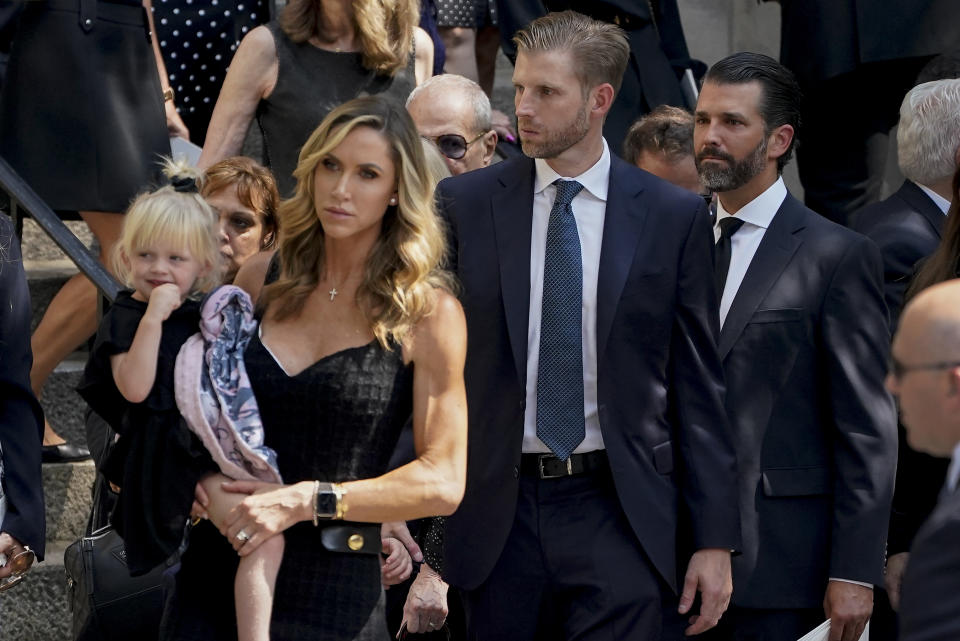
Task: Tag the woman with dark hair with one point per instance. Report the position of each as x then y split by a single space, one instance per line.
244 196
320 53
358 334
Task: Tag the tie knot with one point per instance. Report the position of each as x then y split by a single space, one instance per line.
729 226
566 191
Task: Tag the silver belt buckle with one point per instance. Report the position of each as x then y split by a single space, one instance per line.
543 473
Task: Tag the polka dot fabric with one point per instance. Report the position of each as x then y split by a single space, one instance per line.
472 14
198 39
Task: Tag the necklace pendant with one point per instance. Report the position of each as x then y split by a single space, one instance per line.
333 293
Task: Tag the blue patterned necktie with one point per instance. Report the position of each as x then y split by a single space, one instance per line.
560 423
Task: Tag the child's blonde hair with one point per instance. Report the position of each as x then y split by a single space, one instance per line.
175 213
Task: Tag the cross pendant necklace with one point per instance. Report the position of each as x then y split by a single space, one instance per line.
333 293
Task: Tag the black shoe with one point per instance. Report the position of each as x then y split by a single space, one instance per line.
63 453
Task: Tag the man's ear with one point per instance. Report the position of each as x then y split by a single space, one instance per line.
601 99
489 142
778 142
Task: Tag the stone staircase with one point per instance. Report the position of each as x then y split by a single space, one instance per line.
38 609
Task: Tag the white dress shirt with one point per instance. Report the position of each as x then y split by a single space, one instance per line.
756 216
589 208
937 199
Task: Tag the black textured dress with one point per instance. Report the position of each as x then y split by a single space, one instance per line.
337 420
157 461
311 82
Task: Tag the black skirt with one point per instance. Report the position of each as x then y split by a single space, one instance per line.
81 113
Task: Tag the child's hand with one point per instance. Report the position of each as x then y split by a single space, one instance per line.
396 567
163 300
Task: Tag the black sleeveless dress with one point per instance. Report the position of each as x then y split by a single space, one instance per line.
310 83
337 420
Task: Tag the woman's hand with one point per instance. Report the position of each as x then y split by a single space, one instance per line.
175 125
200 502
398 565
268 510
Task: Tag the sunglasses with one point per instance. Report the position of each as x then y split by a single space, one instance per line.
19 564
453 146
899 370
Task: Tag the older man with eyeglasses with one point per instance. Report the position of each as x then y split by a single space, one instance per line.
454 112
925 377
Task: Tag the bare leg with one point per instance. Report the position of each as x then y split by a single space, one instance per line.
257 573
71 317
460 43
488 44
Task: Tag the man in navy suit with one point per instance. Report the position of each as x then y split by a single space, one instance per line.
803 342
599 457
907 228
21 419
925 376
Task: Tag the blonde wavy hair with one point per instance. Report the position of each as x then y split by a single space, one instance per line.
384 28
175 213
405 264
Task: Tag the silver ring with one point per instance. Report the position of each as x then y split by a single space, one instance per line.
242 536
431 624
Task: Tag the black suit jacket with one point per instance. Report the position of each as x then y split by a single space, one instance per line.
21 419
907 228
659 379
930 592
804 349
821 39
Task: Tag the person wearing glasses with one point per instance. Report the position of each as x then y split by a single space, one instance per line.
22 525
454 113
925 377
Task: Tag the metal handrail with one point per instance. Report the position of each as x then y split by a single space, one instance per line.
22 197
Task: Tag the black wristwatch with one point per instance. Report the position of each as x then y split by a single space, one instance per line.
328 503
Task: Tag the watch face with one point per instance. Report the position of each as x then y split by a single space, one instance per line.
326 504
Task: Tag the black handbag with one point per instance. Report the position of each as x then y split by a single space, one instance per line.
107 603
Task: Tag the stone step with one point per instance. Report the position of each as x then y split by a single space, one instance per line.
62 406
67 493
38 608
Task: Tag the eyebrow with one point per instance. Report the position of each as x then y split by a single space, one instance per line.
725 114
366 164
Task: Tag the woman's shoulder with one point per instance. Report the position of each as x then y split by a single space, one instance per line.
252 275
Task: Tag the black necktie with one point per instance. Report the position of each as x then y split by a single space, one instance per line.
728 227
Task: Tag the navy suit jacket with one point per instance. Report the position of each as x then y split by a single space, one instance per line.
21 419
804 349
930 592
659 378
907 228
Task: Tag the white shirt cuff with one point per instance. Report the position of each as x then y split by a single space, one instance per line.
860 583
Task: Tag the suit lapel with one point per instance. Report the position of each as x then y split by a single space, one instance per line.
917 199
779 244
513 221
623 220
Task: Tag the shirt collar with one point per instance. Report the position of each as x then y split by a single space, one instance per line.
761 210
937 199
595 180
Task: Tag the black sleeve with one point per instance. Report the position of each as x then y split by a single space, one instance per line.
431 542
115 335
21 419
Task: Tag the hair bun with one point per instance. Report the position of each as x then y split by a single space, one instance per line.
184 184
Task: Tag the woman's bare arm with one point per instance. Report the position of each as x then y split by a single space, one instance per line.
251 77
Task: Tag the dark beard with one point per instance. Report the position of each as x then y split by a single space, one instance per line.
737 173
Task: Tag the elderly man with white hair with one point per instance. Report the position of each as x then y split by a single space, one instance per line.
454 113
907 226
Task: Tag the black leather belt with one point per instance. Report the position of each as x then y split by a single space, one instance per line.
548 466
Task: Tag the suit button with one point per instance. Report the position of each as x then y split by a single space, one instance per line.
516 471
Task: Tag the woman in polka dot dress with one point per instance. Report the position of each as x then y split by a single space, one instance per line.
197 39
